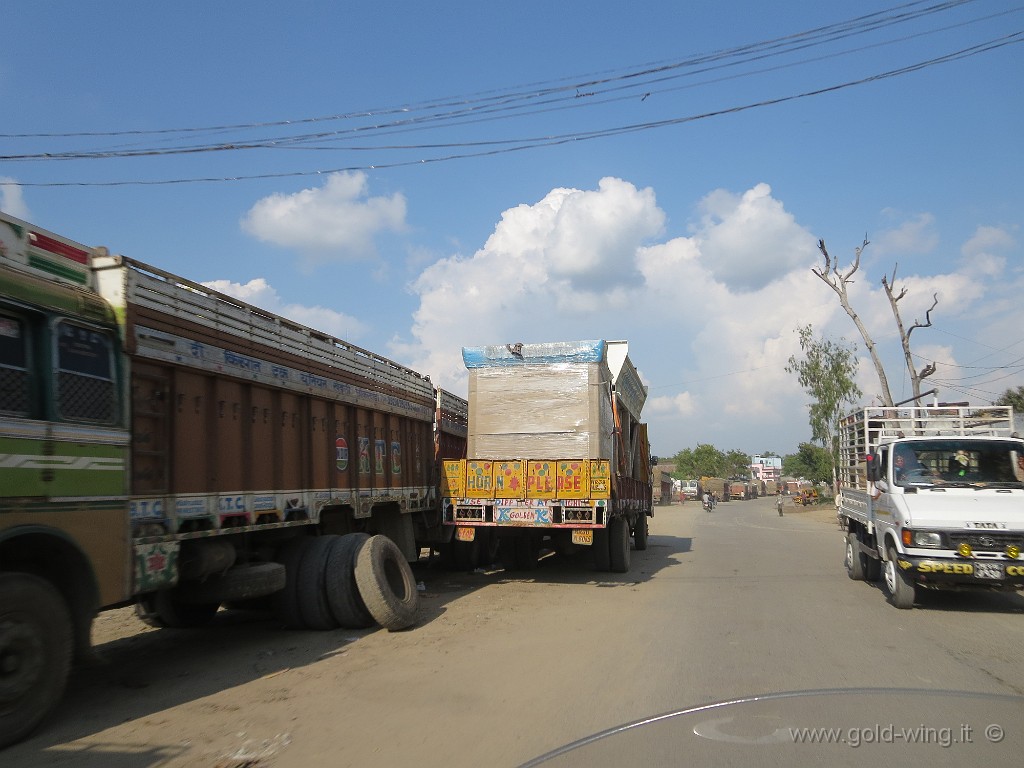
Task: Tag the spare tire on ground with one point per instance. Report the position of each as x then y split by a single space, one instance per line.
386 583
343 596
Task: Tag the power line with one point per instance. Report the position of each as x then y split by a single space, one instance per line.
571 85
499 146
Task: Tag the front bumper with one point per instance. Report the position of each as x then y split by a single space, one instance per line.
974 571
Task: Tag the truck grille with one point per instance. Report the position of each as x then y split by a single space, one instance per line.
475 514
578 514
987 542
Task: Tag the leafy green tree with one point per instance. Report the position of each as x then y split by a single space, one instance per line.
737 464
707 461
811 462
826 373
1014 397
703 461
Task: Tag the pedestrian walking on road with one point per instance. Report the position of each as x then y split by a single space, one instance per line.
778 501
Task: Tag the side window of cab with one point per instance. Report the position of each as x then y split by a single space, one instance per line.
15 366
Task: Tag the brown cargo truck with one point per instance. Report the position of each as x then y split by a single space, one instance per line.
170 446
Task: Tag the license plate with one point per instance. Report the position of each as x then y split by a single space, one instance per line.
582 537
465 534
988 570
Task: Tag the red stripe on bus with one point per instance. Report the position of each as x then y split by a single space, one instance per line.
59 248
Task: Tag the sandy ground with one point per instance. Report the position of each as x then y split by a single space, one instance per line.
246 693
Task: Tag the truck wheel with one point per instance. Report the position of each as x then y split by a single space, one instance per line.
466 554
640 533
343 597
35 653
312 585
164 610
386 583
507 552
872 568
241 582
854 558
602 550
901 589
286 602
527 550
489 554
618 544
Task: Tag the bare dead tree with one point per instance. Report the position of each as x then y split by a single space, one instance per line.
916 376
838 280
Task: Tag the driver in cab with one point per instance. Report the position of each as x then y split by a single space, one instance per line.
907 468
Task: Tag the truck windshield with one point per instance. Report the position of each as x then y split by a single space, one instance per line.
952 462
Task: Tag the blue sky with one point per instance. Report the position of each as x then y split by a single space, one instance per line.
475 174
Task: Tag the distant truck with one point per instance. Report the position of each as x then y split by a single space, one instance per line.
557 455
166 445
691 489
932 498
719 486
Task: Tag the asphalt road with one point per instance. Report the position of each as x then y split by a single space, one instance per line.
734 605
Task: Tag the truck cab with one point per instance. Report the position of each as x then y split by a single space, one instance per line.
934 500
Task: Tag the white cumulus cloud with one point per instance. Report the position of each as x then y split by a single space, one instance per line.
914 236
260 293
710 318
750 240
11 200
335 222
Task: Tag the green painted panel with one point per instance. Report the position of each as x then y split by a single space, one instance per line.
34 467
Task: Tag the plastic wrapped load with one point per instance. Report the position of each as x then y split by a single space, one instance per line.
540 401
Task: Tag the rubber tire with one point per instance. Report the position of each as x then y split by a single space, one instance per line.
507 552
466 554
241 582
489 549
854 559
164 610
386 583
527 550
285 603
872 568
901 590
602 550
343 597
36 640
618 544
312 585
640 532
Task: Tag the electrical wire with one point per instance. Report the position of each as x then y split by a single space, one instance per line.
828 33
564 94
549 141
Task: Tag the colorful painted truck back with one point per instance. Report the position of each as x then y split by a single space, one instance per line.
165 444
557 456
932 497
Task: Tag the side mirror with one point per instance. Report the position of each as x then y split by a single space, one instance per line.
874 467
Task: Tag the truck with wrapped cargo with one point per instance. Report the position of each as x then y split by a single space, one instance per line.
932 497
557 456
166 445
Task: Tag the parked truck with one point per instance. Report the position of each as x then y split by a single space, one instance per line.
557 456
932 498
166 445
717 486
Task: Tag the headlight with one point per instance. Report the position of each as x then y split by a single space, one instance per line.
927 539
